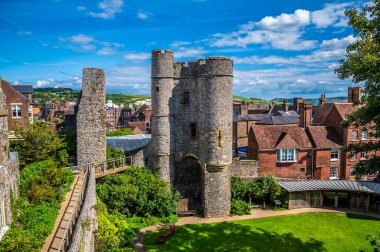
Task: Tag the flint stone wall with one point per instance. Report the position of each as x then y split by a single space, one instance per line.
244 168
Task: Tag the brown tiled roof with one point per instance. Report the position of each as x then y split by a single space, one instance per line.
287 142
345 109
321 113
269 136
325 137
140 125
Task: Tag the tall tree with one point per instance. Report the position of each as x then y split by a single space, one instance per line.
362 64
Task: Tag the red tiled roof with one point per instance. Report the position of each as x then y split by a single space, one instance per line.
271 136
345 109
140 125
321 113
325 137
287 142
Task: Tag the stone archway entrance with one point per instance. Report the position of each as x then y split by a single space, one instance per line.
189 182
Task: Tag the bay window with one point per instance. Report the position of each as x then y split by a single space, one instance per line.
287 155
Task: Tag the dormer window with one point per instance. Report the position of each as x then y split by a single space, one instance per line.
287 155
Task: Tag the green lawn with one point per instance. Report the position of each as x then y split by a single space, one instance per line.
305 232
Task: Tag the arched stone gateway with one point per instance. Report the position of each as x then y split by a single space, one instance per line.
189 182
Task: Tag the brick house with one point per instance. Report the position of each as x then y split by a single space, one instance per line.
18 104
325 158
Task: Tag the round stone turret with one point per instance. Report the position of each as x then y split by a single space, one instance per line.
162 113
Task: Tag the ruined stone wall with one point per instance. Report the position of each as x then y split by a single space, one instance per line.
91 127
5 175
244 168
83 236
91 148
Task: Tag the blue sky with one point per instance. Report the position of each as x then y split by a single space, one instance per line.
280 48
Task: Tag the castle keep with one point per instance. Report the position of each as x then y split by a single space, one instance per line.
192 128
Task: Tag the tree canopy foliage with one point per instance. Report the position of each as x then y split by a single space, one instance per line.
362 64
38 142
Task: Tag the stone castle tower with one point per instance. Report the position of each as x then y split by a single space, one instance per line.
192 128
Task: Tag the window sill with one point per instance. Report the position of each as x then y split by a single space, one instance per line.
363 159
334 160
286 162
353 160
355 140
334 178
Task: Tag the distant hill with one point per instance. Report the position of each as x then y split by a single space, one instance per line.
315 101
62 95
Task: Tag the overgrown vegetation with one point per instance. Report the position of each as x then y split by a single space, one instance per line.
240 207
120 132
264 189
132 200
114 153
38 142
42 188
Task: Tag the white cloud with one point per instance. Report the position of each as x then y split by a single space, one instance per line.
25 33
294 21
108 9
81 8
143 15
336 43
134 79
190 52
331 14
137 56
300 81
85 43
176 44
281 32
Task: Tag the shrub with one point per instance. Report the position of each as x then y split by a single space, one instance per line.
240 207
138 191
41 189
120 132
113 153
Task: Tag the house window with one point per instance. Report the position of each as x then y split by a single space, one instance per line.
16 110
303 169
373 134
352 172
354 135
364 134
373 153
334 173
186 98
193 130
334 154
363 155
286 155
352 155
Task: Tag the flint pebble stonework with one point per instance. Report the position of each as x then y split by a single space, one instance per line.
192 119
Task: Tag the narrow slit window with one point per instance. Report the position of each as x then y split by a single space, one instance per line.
193 130
157 89
186 98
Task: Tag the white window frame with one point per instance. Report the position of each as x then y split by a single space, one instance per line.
18 109
363 155
30 114
334 154
334 173
356 133
352 155
364 135
286 155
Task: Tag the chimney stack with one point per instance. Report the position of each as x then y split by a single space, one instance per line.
296 103
305 114
286 105
322 100
354 94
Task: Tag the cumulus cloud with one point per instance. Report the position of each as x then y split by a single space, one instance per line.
177 44
72 82
281 32
143 15
331 14
85 43
137 56
108 9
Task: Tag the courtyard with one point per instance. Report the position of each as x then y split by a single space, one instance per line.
301 232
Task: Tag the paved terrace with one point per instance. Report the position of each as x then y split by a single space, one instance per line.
60 237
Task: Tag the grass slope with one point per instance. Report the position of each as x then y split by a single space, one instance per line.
305 232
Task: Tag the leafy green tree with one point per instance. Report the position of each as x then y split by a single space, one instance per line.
36 142
362 64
